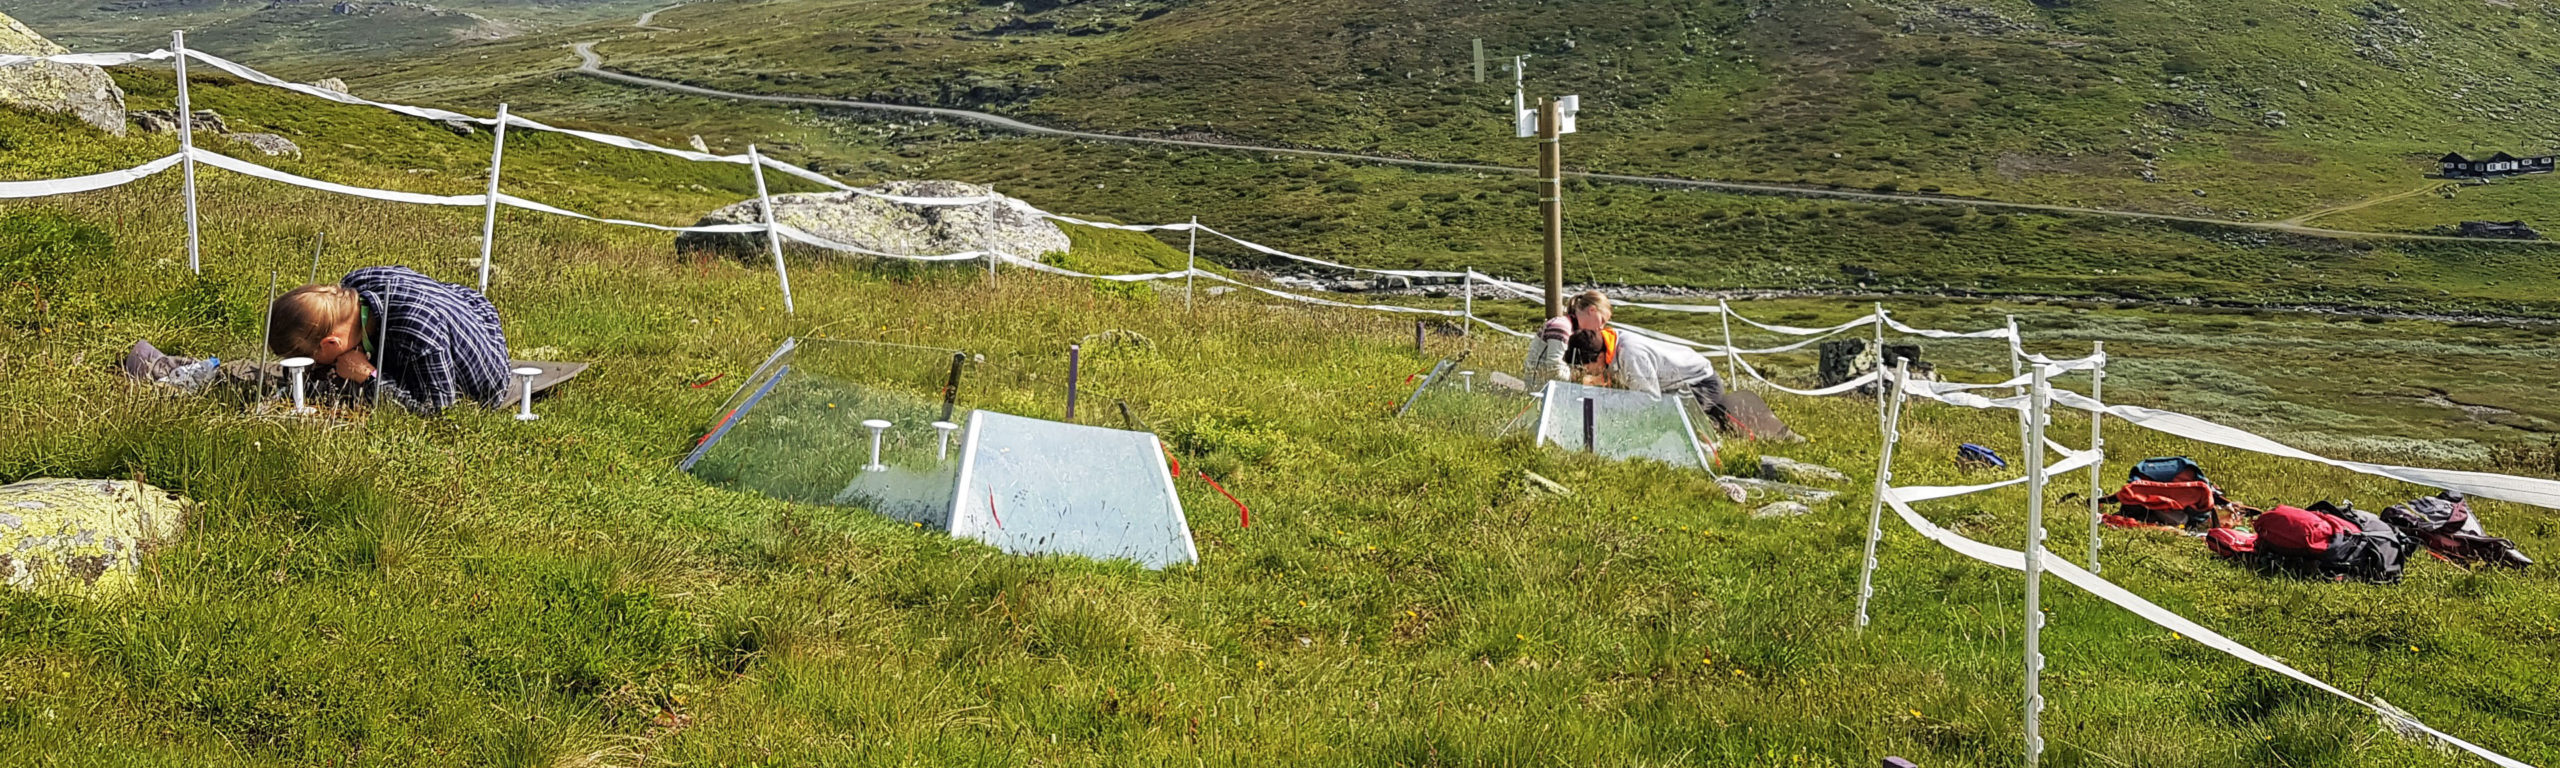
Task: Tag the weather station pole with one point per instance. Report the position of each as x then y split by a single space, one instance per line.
1552 120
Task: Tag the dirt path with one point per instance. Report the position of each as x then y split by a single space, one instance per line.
592 64
2306 218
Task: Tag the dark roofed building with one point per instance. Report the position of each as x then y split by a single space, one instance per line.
2454 165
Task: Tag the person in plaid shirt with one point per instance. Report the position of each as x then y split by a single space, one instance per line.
432 343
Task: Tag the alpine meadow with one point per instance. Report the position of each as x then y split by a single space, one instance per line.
1295 253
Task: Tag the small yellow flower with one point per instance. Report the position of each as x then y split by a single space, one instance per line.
831 405
1916 713
1519 637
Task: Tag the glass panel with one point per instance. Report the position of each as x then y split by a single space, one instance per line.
1030 486
1474 404
1625 424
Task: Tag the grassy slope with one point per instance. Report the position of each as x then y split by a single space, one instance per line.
473 590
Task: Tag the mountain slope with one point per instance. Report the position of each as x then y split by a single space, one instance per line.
2268 109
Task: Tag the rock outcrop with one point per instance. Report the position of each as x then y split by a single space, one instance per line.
268 144
166 121
1003 224
82 91
83 537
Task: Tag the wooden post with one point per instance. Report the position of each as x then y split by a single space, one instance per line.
1590 432
489 223
1417 338
772 238
1551 204
187 147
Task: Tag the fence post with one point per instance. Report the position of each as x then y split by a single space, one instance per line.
2097 442
1417 337
1889 427
1879 382
489 224
2039 395
772 238
1732 369
1467 326
2017 368
187 146
1190 265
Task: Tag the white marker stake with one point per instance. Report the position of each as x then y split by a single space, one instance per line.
944 453
524 405
1468 292
1732 366
1467 380
489 224
1190 266
1888 427
2038 398
877 426
187 145
295 365
772 239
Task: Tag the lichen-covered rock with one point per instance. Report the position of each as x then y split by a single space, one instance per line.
331 84
166 121
84 537
1784 469
1003 224
267 143
83 91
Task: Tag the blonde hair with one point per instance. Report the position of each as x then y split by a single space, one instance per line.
302 317
1586 301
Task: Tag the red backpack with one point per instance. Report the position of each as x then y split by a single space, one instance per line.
2297 531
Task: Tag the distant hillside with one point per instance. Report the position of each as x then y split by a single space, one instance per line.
2269 109
306 31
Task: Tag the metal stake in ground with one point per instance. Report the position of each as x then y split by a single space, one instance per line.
1075 353
2038 396
943 453
524 402
951 386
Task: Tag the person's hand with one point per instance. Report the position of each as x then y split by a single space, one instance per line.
353 367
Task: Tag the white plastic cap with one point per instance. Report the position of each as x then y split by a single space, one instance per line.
945 426
527 371
295 362
875 423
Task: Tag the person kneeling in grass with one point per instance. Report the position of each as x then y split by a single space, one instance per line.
1586 310
1609 358
432 343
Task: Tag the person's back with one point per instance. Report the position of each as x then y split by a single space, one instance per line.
434 342
1656 366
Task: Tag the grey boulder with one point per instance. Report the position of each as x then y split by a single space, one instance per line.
268 144
1002 224
81 91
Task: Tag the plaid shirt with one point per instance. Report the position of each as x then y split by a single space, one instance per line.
432 342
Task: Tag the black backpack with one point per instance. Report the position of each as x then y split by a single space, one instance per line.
2371 551
2445 524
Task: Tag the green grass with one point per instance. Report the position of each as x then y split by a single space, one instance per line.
474 590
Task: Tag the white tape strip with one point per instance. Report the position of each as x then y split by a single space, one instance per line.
1835 389
89 183
246 168
1995 333
86 59
1323 302
1176 227
235 69
2522 490
1336 265
518 202
1900 498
